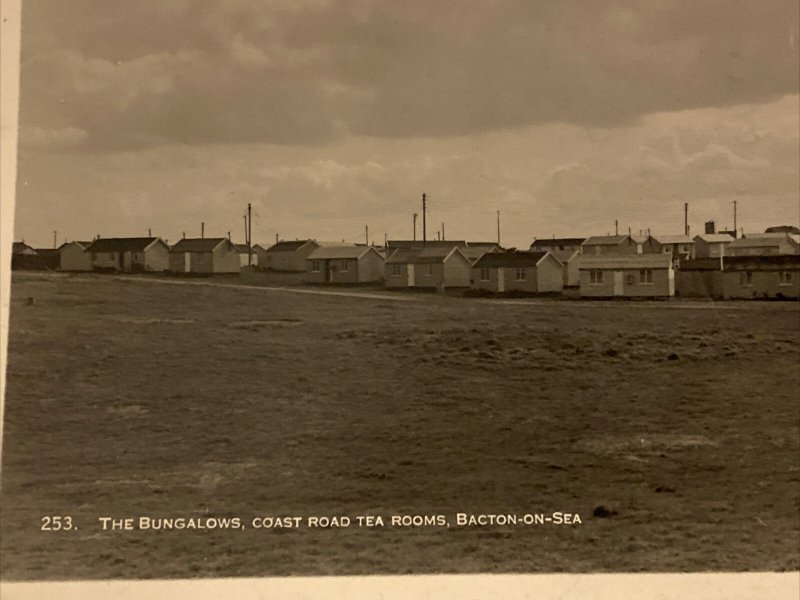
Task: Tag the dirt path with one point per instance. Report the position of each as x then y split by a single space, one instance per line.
369 295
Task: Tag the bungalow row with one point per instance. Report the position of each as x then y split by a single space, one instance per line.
740 277
709 245
143 254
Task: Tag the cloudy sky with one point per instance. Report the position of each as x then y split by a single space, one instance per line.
330 115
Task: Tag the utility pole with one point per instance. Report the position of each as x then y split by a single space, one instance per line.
734 218
366 234
424 220
498 227
415 227
249 234
443 231
202 230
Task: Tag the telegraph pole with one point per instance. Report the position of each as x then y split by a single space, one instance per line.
734 218
442 230
498 227
424 220
415 227
202 230
366 234
249 234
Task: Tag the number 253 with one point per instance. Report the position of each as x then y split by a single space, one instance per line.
57 523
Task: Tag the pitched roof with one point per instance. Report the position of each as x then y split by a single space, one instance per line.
288 245
563 256
756 243
673 239
483 245
426 244
199 244
492 260
606 240
82 244
46 251
438 255
775 262
340 252
475 252
424 254
783 229
244 248
559 243
20 247
775 235
715 238
121 244
626 261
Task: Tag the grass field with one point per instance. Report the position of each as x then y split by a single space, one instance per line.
129 398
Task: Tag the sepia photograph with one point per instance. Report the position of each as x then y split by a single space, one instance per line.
479 293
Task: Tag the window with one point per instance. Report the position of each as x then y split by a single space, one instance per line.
595 277
112 256
630 279
667 249
396 271
485 274
315 266
785 278
520 274
746 278
646 276
345 266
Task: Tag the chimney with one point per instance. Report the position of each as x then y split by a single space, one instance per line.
711 227
202 229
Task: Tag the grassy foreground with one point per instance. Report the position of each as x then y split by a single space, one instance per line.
128 398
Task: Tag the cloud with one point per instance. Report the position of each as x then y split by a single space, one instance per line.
145 74
546 180
707 158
